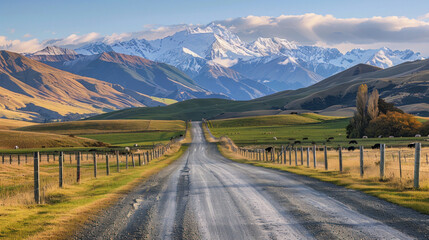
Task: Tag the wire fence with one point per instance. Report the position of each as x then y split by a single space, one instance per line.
27 178
406 166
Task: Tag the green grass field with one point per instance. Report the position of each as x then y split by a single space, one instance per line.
106 126
85 135
306 128
129 139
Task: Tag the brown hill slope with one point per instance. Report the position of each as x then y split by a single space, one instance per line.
34 91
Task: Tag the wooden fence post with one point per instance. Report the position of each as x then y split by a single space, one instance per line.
118 169
314 157
126 160
36 178
382 158
78 167
340 158
107 165
361 160
296 156
284 155
140 159
19 159
302 156
94 159
2 158
10 159
132 160
61 169
308 157
325 149
417 165
400 165
290 156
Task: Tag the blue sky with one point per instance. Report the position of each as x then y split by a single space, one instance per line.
27 25
57 18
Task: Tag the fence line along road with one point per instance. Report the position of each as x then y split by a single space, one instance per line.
366 162
65 165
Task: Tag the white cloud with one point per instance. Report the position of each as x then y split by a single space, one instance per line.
27 35
311 28
424 17
19 46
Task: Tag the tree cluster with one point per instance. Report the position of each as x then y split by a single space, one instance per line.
375 117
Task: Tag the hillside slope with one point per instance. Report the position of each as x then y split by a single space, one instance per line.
34 91
406 85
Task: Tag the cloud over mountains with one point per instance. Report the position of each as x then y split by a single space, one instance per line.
309 29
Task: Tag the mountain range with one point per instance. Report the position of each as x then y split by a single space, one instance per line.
274 62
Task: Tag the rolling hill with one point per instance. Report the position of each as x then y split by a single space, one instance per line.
406 85
34 91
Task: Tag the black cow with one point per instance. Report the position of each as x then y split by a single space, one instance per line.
351 148
376 146
297 142
269 149
353 142
306 138
412 145
330 138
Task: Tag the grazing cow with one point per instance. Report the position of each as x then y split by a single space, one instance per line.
306 138
269 149
294 113
353 142
418 135
365 137
412 145
297 142
376 146
380 136
351 148
330 138
275 138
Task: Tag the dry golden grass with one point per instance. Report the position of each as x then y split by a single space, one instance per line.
66 210
9 139
8 124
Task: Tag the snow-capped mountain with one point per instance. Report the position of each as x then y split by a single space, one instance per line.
280 64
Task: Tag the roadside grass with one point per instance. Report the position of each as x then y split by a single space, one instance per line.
66 210
391 189
307 128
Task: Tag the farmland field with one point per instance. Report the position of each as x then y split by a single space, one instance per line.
129 139
309 129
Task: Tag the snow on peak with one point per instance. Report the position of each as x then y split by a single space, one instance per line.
54 50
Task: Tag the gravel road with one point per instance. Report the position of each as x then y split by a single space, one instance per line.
205 196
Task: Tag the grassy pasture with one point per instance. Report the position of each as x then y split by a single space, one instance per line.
106 126
307 128
8 124
9 139
129 139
